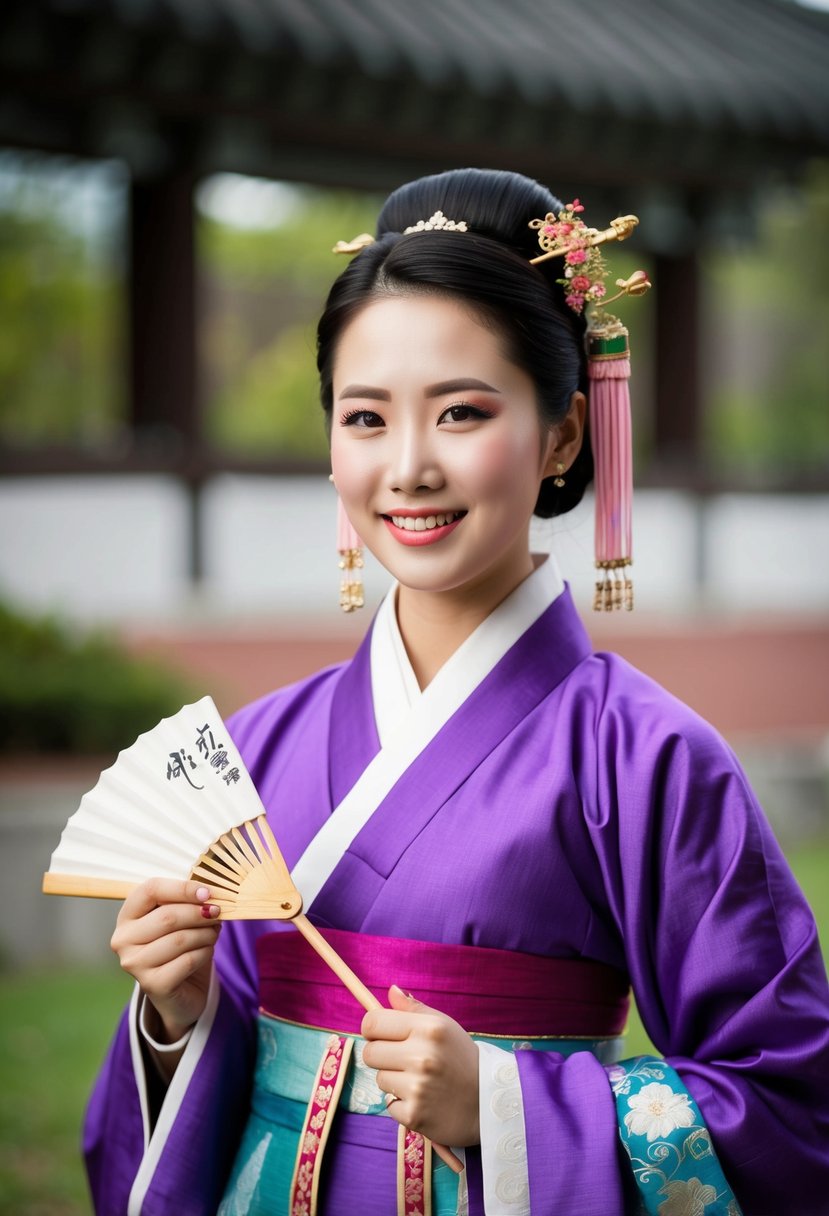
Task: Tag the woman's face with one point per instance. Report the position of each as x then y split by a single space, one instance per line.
437 447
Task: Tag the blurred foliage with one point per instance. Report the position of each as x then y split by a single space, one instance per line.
65 691
768 309
264 291
61 319
765 360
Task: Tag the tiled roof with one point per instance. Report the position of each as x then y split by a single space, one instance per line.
759 65
696 94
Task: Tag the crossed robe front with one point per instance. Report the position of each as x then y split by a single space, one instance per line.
568 808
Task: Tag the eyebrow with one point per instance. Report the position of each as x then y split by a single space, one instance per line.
464 384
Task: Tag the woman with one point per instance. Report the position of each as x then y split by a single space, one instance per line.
498 828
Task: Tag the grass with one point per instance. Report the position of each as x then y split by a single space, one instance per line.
54 1030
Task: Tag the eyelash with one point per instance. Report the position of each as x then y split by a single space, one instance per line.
351 417
475 411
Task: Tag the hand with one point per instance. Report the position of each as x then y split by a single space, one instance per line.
430 1063
164 938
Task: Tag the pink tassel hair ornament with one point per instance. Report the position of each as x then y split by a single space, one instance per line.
608 360
350 549
610 430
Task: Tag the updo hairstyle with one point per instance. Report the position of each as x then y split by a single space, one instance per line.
486 267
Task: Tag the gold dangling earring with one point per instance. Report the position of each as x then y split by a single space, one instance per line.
350 549
559 480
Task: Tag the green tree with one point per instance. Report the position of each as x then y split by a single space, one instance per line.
769 309
60 335
264 293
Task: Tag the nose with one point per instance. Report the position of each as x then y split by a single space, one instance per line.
414 466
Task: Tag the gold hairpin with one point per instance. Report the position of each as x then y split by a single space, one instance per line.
354 246
550 239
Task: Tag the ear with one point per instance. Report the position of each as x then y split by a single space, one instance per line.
566 437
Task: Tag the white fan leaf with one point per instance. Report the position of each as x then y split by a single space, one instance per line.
163 802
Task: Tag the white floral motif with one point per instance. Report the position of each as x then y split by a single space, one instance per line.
511 1187
686 1198
512 1147
507 1074
506 1103
239 1200
657 1111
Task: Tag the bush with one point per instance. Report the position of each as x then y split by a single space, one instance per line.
61 691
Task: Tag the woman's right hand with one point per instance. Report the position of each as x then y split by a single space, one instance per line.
164 939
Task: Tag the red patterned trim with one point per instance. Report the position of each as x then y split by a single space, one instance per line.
414 1174
325 1095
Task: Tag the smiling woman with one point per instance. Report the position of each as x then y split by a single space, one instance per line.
417 438
500 831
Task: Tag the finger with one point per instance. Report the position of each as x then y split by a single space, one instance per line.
157 891
156 954
160 922
167 980
390 1081
405 1001
393 1056
389 1024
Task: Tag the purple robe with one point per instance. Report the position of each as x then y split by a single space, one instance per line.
570 808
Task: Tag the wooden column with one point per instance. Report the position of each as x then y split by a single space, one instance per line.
162 313
164 386
678 421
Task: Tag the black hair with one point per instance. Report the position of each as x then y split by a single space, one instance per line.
488 268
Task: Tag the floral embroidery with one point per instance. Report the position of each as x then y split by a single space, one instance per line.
414 1151
687 1198
656 1111
413 1164
670 1150
310 1143
332 1068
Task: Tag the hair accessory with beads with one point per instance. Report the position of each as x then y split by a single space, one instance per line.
608 360
437 223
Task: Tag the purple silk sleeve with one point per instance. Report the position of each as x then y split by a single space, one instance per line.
723 955
199 1147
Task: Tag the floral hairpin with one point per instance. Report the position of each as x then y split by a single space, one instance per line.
567 236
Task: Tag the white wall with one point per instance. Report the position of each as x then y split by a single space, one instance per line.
115 549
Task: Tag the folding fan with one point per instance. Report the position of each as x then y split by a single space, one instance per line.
180 803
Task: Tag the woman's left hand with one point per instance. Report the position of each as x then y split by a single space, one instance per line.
430 1063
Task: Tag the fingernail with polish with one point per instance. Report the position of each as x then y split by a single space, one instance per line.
202 894
209 911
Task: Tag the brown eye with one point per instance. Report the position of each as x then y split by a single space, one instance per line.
362 418
462 411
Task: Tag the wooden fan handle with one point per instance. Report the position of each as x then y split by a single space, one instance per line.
338 965
92 888
362 994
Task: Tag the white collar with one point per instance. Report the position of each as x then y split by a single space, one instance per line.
394 686
406 728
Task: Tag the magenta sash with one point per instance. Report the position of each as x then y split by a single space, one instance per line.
489 992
